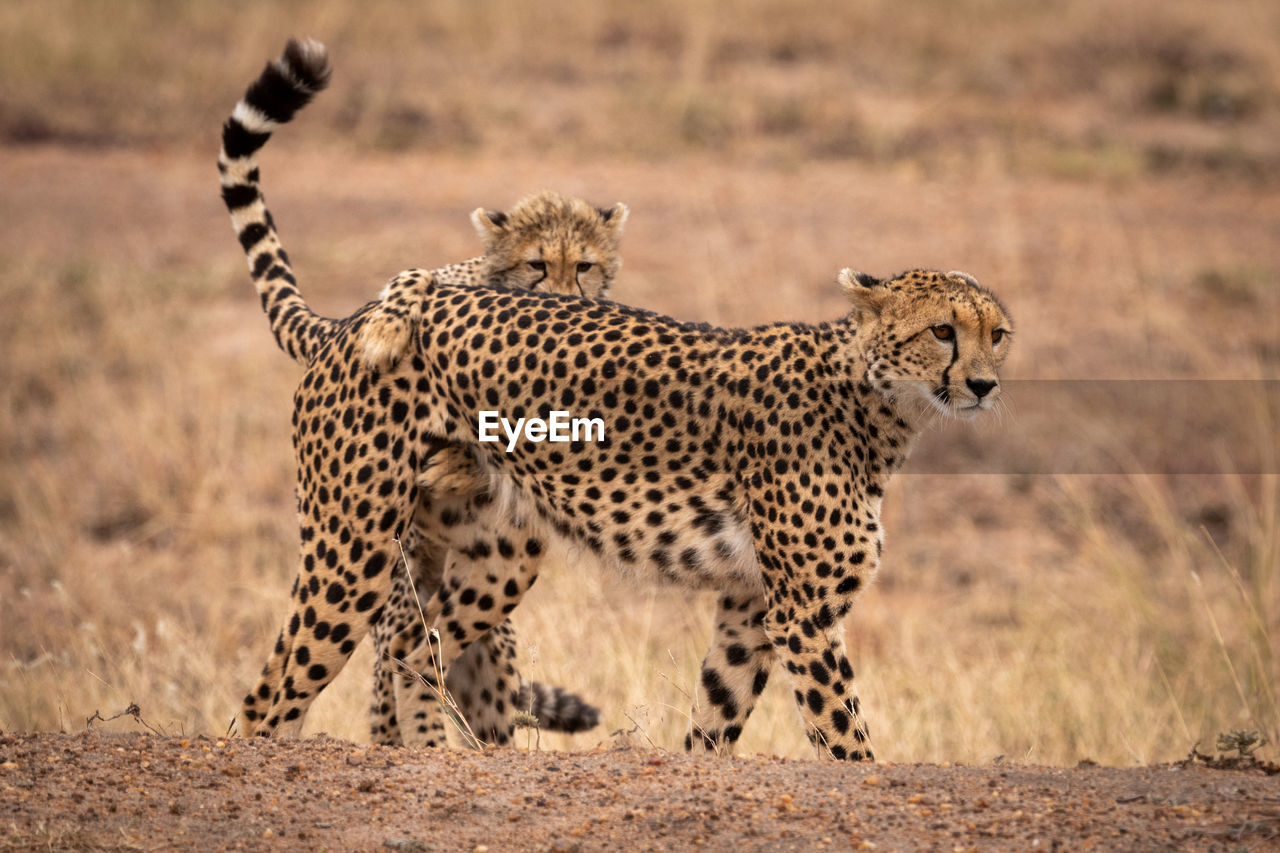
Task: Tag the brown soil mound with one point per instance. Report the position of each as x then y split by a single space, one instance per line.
97 791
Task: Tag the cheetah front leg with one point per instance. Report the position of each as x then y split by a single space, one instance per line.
810 643
733 674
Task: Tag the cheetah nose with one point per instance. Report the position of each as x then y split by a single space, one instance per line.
980 387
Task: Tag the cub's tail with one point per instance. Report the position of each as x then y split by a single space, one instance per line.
556 709
285 86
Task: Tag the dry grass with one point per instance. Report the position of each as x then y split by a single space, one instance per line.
1151 87
1089 173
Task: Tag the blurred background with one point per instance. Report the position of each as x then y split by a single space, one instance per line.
1112 171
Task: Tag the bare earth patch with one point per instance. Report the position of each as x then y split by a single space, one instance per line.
97 791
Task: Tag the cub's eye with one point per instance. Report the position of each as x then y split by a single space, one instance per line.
585 266
540 266
997 336
943 332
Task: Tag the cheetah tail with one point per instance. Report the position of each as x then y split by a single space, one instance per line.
284 87
556 709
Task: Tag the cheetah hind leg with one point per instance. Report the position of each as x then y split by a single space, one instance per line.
386 334
484 681
399 630
479 590
489 691
333 605
314 645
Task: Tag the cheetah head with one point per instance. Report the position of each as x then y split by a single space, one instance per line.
931 339
552 244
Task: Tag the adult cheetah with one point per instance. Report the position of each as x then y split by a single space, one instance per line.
749 461
546 242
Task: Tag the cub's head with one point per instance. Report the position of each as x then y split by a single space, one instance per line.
553 244
934 338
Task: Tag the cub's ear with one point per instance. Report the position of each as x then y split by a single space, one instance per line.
489 224
614 216
965 277
867 292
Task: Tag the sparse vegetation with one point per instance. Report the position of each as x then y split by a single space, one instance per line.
146 507
1236 750
1243 744
1149 88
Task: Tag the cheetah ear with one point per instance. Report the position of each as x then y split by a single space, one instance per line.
489 224
867 292
965 277
852 280
614 217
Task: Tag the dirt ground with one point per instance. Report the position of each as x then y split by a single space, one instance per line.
100 791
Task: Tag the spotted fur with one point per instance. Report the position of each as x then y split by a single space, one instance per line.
748 461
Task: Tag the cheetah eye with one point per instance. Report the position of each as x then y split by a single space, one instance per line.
997 336
585 266
943 332
538 266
